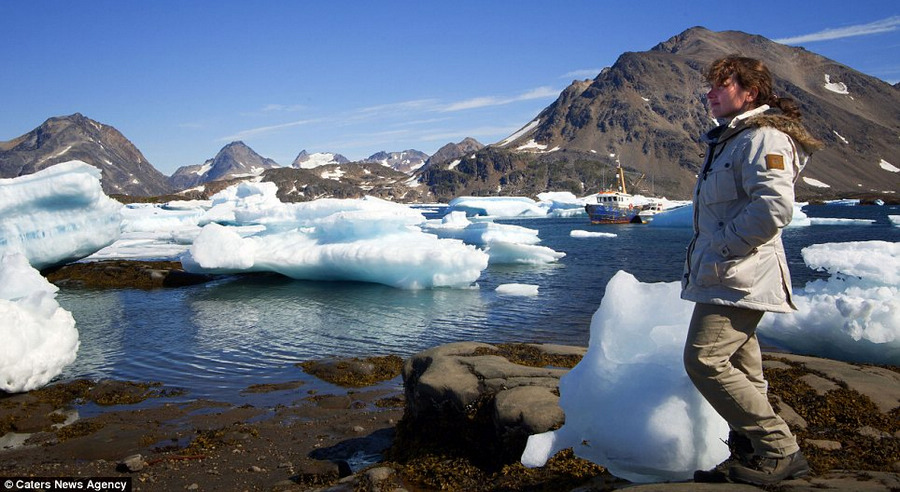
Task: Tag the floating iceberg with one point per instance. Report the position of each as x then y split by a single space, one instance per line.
57 215
504 243
855 314
517 290
497 206
367 240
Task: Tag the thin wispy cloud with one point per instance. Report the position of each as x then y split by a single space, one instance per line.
364 140
420 122
282 108
416 110
586 73
539 93
481 102
481 132
400 107
263 130
880 26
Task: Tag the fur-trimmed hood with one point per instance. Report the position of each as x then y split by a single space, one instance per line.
792 127
762 117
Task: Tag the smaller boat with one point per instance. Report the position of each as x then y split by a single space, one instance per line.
614 207
649 210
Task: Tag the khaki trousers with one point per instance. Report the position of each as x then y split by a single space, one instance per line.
723 359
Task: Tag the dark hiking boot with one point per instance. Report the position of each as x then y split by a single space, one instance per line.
767 471
741 451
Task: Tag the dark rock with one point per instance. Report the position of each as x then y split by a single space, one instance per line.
879 384
124 274
461 392
354 372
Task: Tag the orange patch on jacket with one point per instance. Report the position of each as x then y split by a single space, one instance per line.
774 161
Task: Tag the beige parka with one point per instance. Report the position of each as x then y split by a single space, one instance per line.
743 198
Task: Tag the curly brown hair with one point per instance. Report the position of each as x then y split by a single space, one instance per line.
750 73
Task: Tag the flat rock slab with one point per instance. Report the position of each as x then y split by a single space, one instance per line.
881 385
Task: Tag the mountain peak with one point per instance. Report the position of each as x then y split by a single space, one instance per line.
453 151
405 161
306 160
77 137
236 159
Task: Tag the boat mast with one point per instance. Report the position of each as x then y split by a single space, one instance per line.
621 174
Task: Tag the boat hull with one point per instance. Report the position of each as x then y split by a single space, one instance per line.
602 214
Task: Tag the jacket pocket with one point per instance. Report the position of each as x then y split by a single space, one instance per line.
718 185
737 273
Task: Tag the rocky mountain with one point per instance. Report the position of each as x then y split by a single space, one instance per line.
234 160
350 180
65 138
406 161
648 109
305 160
452 151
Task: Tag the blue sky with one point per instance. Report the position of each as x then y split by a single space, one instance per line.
181 79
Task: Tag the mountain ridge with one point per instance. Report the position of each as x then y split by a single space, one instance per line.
645 113
634 110
124 168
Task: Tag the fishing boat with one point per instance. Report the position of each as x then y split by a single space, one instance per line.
614 207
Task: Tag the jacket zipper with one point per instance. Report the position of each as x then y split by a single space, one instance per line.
710 157
703 173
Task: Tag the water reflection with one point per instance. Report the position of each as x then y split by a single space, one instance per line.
98 319
292 320
222 337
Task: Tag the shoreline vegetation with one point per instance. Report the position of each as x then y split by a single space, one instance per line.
373 432
311 443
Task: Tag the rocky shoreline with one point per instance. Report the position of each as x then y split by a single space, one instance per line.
458 422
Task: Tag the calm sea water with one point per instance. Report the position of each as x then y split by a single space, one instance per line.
214 340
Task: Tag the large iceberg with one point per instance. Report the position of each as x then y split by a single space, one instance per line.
369 240
246 228
629 405
39 337
57 215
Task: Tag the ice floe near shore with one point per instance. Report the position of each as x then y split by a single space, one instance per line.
57 215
